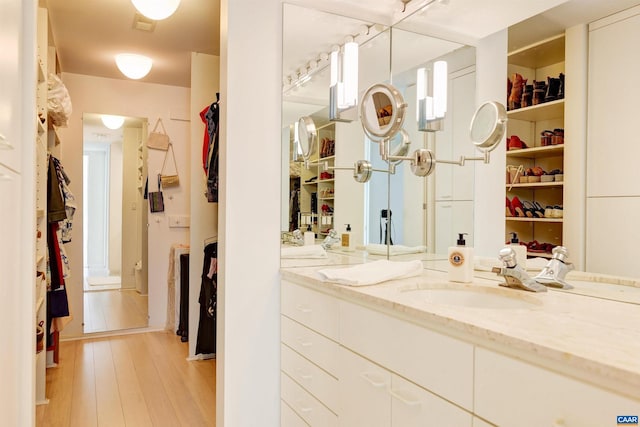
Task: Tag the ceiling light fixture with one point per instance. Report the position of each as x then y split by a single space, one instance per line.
133 66
156 9
431 93
112 122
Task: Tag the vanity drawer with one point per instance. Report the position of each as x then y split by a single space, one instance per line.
288 417
437 362
512 392
305 405
313 309
318 349
313 379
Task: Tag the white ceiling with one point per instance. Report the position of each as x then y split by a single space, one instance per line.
88 33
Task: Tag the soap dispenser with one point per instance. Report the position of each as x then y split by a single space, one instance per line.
309 236
520 250
461 261
346 243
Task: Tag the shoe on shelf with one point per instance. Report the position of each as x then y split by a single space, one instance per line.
517 207
558 137
515 143
531 210
509 211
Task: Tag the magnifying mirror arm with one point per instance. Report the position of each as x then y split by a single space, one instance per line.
464 159
336 168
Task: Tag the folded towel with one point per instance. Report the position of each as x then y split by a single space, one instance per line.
372 272
310 251
379 249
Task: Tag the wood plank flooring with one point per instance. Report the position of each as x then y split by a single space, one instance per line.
129 380
114 310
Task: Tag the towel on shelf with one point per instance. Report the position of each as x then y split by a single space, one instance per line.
311 251
379 249
372 272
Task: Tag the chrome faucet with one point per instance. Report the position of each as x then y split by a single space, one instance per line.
331 238
514 275
556 269
295 237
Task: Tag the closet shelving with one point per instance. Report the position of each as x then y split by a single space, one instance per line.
317 195
536 62
41 201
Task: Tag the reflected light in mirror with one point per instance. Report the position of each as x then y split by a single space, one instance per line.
133 65
112 122
350 75
156 9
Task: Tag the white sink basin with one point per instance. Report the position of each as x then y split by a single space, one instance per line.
467 297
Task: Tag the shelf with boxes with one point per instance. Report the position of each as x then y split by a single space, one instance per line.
535 144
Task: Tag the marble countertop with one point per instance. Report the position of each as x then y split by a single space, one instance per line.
592 338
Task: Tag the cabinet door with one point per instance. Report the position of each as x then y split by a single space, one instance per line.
413 406
363 391
10 123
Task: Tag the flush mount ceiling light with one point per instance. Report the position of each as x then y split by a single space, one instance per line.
156 9
112 122
133 66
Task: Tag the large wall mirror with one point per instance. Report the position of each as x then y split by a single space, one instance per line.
398 207
115 274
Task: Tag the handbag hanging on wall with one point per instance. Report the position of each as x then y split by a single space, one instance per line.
169 180
156 200
158 139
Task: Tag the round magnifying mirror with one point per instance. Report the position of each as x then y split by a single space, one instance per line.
488 125
382 111
399 145
307 136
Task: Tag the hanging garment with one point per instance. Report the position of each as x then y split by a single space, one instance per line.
55 202
210 149
206 342
66 225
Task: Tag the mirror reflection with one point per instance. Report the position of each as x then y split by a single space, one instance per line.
115 275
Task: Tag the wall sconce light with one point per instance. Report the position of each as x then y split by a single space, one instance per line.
156 9
343 89
112 122
133 66
431 88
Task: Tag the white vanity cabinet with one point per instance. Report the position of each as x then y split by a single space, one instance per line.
509 391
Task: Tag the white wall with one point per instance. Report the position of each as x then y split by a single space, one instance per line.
248 362
136 99
489 191
114 204
205 82
131 208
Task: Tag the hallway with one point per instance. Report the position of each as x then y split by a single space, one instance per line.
129 380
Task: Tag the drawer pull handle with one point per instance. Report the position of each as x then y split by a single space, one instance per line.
370 378
301 308
403 399
303 342
4 144
302 375
5 177
303 408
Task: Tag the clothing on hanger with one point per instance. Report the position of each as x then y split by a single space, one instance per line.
210 148
206 340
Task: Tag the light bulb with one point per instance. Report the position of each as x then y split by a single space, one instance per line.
112 122
156 9
133 66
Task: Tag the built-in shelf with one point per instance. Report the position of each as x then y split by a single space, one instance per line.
536 184
327 158
537 152
540 54
327 180
310 183
41 73
527 219
41 126
40 213
39 259
39 303
326 198
536 113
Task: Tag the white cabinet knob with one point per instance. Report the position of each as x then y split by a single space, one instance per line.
404 399
370 377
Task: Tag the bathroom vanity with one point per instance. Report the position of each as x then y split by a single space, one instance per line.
425 351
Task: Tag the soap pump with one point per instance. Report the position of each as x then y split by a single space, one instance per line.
309 236
520 250
345 239
461 261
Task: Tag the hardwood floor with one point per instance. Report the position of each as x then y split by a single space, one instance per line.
129 380
113 310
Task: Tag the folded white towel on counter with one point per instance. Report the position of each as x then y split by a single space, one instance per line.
379 249
372 272
310 251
